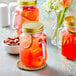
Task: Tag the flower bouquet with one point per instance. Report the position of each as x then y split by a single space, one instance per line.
60 7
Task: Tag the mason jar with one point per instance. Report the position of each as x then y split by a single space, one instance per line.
67 37
26 11
33 50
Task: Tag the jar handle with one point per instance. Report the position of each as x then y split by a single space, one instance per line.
44 50
13 21
59 38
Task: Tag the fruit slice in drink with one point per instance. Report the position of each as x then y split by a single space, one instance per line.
26 41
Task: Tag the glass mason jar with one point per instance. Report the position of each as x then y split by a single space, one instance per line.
33 50
26 11
67 37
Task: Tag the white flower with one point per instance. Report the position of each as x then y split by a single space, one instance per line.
46 7
52 5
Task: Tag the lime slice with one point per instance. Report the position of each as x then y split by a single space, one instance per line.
26 41
73 32
70 21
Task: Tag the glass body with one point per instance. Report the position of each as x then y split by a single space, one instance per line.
67 40
69 44
24 14
35 54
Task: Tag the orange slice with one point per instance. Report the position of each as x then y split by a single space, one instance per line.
30 15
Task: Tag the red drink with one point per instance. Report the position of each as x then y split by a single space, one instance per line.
69 44
69 38
33 56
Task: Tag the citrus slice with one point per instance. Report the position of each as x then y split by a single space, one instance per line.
30 15
26 41
70 21
71 31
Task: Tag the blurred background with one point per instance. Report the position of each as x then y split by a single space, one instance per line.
7 1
